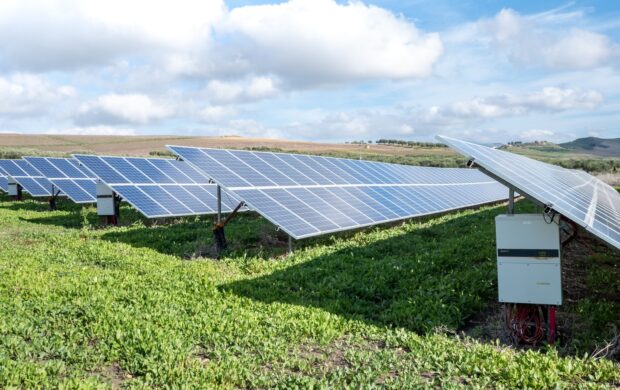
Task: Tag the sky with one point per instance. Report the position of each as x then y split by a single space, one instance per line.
316 70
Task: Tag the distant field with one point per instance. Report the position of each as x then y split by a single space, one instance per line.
15 145
143 145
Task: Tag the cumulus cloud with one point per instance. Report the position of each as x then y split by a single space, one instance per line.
252 89
549 99
216 113
67 34
530 41
321 40
203 38
536 135
127 108
24 93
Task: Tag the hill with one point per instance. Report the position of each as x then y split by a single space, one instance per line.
596 146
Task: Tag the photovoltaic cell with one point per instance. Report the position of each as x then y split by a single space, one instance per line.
66 175
310 195
158 187
576 195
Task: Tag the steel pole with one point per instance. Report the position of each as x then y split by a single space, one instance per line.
511 201
219 204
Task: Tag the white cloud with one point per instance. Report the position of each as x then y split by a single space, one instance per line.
92 130
540 40
549 99
310 40
24 93
216 113
128 108
536 135
66 34
252 89
300 41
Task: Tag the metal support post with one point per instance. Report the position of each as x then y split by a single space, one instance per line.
511 201
290 245
219 204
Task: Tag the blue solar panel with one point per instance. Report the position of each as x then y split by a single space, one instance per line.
168 167
30 179
26 167
150 170
12 168
67 177
68 167
310 195
101 169
158 187
4 184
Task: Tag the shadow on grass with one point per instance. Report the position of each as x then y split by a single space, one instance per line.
72 215
28 204
193 237
427 277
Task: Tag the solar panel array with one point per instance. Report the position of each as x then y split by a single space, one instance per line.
310 195
158 187
26 176
577 195
66 174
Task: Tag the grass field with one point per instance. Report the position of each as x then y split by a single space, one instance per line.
135 306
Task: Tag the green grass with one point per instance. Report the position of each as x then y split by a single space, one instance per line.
83 306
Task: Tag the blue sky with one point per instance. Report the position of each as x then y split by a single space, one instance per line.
318 70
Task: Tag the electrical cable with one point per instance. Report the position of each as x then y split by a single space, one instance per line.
525 323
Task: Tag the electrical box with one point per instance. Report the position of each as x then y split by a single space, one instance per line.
13 189
105 200
528 259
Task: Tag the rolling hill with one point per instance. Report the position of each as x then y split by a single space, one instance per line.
596 146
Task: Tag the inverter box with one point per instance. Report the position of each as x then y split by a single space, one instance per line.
13 190
528 259
105 200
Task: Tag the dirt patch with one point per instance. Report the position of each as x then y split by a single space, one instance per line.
113 375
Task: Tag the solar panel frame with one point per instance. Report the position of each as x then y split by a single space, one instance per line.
341 181
155 180
523 179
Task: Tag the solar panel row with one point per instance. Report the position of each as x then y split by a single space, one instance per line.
26 176
157 187
66 175
312 195
577 195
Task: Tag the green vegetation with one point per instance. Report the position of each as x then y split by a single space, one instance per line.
594 145
567 158
13 153
418 144
162 153
84 306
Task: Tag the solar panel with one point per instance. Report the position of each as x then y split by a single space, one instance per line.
4 181
576 195
311 195
66 175
28 178
158 187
